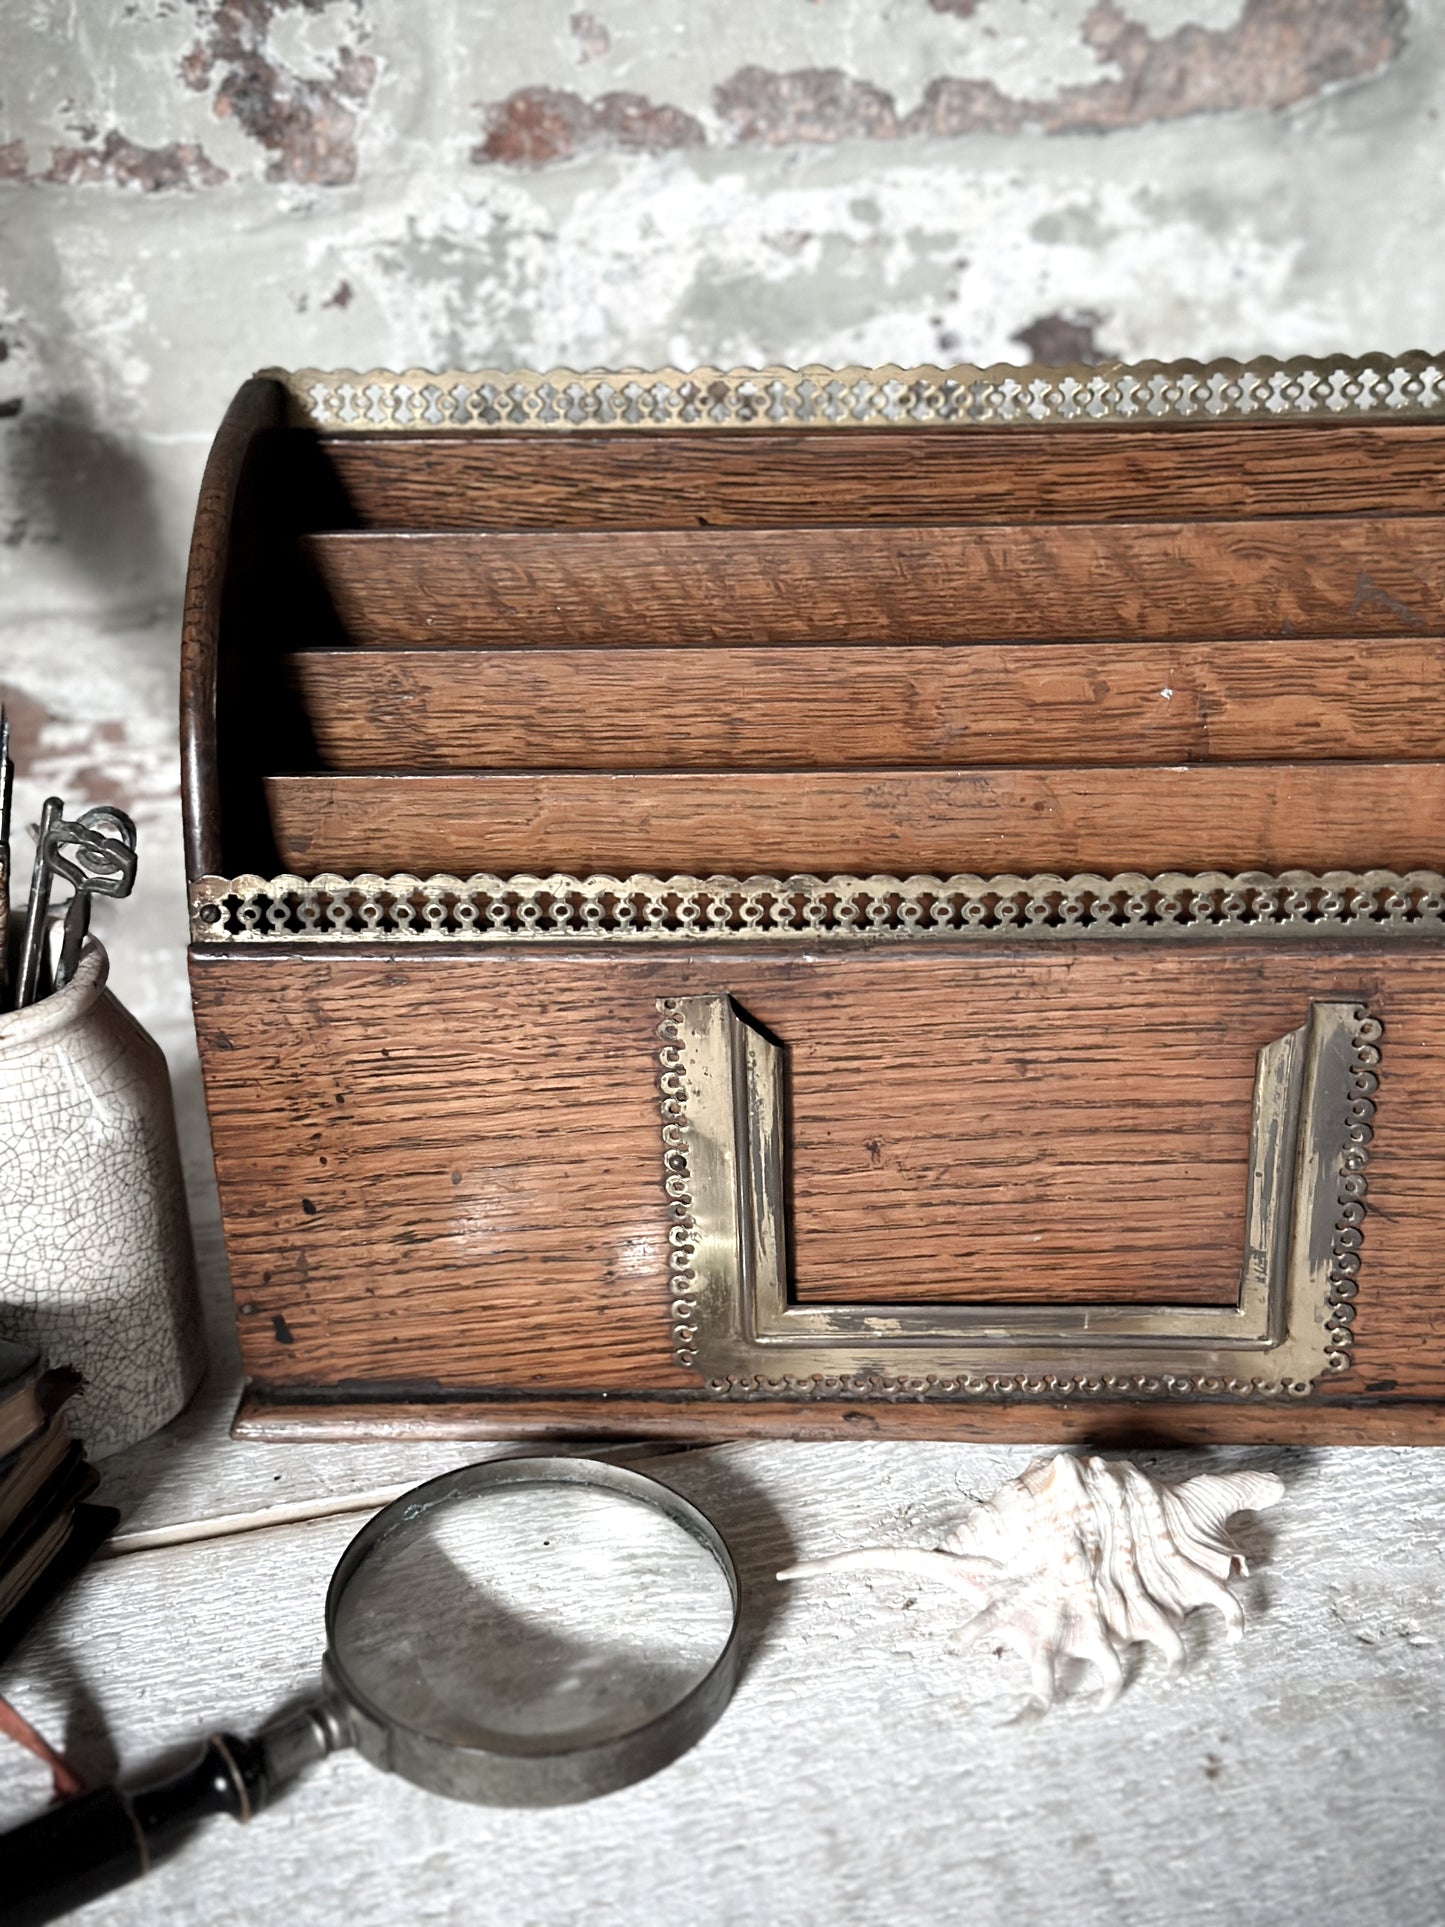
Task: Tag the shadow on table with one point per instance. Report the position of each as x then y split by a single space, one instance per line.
747 1516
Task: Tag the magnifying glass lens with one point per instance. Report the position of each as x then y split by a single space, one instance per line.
541 1617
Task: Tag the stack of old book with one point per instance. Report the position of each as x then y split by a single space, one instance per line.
46 1530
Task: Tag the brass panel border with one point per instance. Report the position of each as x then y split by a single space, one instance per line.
1404 387
643 908
736 1325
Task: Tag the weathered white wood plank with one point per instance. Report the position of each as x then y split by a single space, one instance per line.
864 1771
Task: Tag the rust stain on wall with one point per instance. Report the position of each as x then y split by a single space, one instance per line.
152 169
536 125
591 34
118 161
96 765
811 104
307 122
28 718
1277 53
1061 340
84 761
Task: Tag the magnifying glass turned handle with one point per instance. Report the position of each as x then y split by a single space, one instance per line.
96 1842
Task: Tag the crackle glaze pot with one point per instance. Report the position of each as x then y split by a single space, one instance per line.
96 1264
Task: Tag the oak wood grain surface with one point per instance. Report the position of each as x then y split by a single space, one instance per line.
1014 474
256 410
578 646
1316 576
855 707
455 1180
1233 816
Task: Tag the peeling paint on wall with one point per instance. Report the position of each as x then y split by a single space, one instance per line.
594 41
1058 339
1279 52
193 188
1276 54
122 163
307 122
537 125
811 104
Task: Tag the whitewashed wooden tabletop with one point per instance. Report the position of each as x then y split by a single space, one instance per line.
867 1769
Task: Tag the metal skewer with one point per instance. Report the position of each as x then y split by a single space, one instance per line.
27 982
7 784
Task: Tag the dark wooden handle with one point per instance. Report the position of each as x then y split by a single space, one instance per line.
100 1841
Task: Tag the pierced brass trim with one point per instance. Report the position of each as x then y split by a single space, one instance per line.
806 909
736 1324
1407 387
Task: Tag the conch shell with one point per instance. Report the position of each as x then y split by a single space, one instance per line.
1082 1558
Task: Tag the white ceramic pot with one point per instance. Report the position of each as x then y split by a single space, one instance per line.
96 1265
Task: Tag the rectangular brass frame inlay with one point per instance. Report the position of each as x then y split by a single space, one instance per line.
736 1324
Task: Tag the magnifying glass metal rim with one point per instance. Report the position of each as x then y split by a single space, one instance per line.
509 1770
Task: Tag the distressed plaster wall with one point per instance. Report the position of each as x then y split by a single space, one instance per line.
190 189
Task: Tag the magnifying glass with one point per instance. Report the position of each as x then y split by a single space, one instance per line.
525 1632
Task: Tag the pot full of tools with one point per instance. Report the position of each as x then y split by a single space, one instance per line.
96 1266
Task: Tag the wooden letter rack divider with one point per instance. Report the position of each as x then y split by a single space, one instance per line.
827 903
